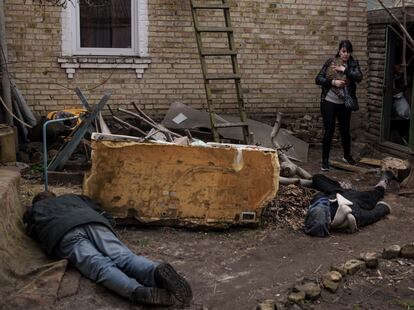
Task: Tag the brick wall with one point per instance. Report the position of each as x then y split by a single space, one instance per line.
281 44
378 21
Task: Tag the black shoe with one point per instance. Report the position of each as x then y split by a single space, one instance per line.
349 160
152 296
383 204
325 165
166 277
387 176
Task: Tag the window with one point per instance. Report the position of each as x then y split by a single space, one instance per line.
106 24
105 34
105 27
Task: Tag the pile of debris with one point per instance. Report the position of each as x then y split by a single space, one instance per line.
288 208
307 128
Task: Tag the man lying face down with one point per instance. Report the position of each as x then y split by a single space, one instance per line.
74 227
336 208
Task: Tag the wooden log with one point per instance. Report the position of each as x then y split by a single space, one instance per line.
348 167
295 181
287 169
400 168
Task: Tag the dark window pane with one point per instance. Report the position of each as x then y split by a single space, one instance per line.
105 23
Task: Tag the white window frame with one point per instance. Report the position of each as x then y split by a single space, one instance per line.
139 33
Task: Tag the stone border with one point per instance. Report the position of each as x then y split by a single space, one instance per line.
307 291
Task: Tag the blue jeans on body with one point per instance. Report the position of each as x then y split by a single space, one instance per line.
100 256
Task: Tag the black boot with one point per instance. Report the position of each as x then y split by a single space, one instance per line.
325 164
349 160
152 296
386 177
166 277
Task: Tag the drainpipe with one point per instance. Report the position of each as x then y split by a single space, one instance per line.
3 61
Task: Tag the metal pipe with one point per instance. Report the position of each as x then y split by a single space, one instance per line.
45 144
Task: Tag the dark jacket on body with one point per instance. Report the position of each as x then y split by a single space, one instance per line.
48 220
353 74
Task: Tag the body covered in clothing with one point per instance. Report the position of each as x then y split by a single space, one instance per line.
344 209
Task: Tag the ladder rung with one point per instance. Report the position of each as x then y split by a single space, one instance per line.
214 29
219 53
222 77
226 125
210 6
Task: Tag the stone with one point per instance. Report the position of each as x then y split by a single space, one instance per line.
333 276
392 251
339 268
297 297
407 251
330 286
267 305
311 290
370 259
354 265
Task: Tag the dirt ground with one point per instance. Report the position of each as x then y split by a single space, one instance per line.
239 268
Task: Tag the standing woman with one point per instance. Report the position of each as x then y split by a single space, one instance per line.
338 78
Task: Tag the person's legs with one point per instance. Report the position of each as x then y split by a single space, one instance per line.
326 185
82 253
328 116
137 267
344 124
366 217
366 200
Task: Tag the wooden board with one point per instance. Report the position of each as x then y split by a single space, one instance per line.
348 167
371 161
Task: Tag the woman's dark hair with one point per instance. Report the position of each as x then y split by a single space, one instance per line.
345 44
42 196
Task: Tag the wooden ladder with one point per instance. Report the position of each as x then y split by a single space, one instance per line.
230 52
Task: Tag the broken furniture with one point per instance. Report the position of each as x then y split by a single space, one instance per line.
213 185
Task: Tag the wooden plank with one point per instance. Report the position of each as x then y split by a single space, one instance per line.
348 167
371 161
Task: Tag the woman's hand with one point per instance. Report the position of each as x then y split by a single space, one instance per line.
339 83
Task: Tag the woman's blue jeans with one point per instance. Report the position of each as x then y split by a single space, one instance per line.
99 255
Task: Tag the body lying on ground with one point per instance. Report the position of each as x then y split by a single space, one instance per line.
337 208
74 227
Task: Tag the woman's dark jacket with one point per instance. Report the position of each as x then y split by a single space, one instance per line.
352 72
48 220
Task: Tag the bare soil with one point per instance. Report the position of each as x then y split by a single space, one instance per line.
239 268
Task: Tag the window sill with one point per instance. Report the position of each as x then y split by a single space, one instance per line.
71 63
